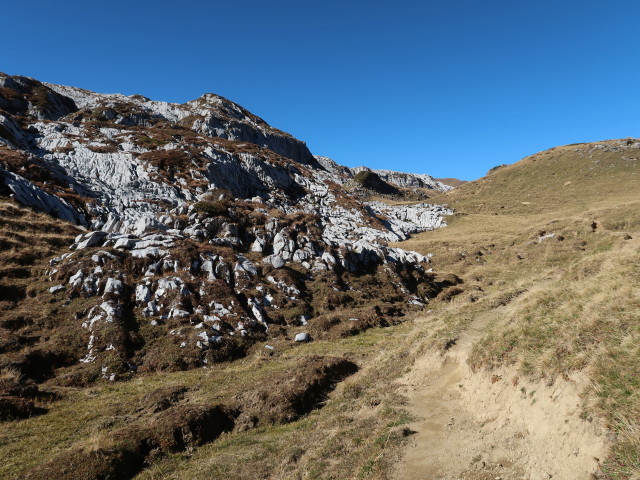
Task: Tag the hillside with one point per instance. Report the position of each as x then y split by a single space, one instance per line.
578 177
187 292
201 264
549 250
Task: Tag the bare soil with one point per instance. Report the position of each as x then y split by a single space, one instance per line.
489 426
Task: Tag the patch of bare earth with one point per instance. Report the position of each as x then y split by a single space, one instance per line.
489 426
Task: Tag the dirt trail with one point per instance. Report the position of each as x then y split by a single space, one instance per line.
494 426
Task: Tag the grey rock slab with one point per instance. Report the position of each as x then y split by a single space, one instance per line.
149 252
30 195
126 243
91 239
277 261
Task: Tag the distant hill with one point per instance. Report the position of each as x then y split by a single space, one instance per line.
570 176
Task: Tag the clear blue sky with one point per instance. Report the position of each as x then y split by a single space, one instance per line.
449 88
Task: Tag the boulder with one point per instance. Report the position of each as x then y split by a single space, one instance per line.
56 289
277 261
90 239
302 337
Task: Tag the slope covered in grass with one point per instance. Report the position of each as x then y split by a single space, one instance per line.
550 291
549 249
571 178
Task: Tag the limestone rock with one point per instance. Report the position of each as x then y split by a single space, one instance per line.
302 337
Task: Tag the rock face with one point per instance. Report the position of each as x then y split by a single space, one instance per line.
410 180
399 179
31 195
205 224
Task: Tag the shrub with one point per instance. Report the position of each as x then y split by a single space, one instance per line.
497 167
215 208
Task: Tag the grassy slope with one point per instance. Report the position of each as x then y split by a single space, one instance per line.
83 417
28 240
579 300
577 308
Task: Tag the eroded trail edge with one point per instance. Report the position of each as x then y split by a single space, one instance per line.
478 426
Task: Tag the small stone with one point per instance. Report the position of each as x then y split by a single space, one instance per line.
302 337
178 313
143 294
56 289
113 286
76 279
277 261
258 245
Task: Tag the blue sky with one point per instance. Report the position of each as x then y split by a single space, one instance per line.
449 88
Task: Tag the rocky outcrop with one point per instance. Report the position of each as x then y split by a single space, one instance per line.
407 180
30 195
333 167
205 225
398 179
26 96
219 117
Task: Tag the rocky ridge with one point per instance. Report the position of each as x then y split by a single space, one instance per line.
206 230
399 179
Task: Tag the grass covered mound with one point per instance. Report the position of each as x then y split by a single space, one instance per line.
372 181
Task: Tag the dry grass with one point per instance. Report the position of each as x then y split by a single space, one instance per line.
554 304
362 413
27 239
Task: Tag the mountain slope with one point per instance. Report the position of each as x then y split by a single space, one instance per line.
207 241
548 248
186 206
228 306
